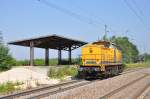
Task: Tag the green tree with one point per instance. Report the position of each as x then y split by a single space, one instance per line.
6 60
146 57
1 38
129 50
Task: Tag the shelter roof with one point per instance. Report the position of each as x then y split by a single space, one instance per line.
51 41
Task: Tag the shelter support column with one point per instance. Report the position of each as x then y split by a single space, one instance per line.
31 53
59 56
69 54
47 57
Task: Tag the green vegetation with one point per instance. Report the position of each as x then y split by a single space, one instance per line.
61 72
146 57
41 62
9 87
135 65
131 53
6 60
129 50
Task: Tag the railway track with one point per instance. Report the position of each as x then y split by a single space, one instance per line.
58 90
36 90
53 89
132 70
123 87
46 90
139 94
44 94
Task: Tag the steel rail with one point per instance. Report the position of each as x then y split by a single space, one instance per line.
35 90
46 94
141 91
123 87
43 88
132 70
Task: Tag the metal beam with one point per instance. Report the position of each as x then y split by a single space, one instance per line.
31 54
46 57
50 41
69 54
59 57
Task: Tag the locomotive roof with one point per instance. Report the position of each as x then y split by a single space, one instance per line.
107 43
102 42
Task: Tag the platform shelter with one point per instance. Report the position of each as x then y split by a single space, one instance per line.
50 42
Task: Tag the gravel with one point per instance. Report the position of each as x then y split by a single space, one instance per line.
145 94
100 88
133 91
27 76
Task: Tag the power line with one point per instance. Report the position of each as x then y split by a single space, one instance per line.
91 14
70 13
136 14
137 7
82 18
99 20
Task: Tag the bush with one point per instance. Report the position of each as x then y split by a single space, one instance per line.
6 60
52 72
61 72
73 71
8 87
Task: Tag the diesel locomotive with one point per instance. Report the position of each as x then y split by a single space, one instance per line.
100 58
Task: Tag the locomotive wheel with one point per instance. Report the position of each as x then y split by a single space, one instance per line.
82 74
111 71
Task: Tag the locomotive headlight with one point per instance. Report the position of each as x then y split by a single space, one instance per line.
96 69
81 68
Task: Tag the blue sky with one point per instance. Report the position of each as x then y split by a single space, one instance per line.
21 19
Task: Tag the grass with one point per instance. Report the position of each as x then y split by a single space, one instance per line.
9 87
136 65
62 72
41 62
